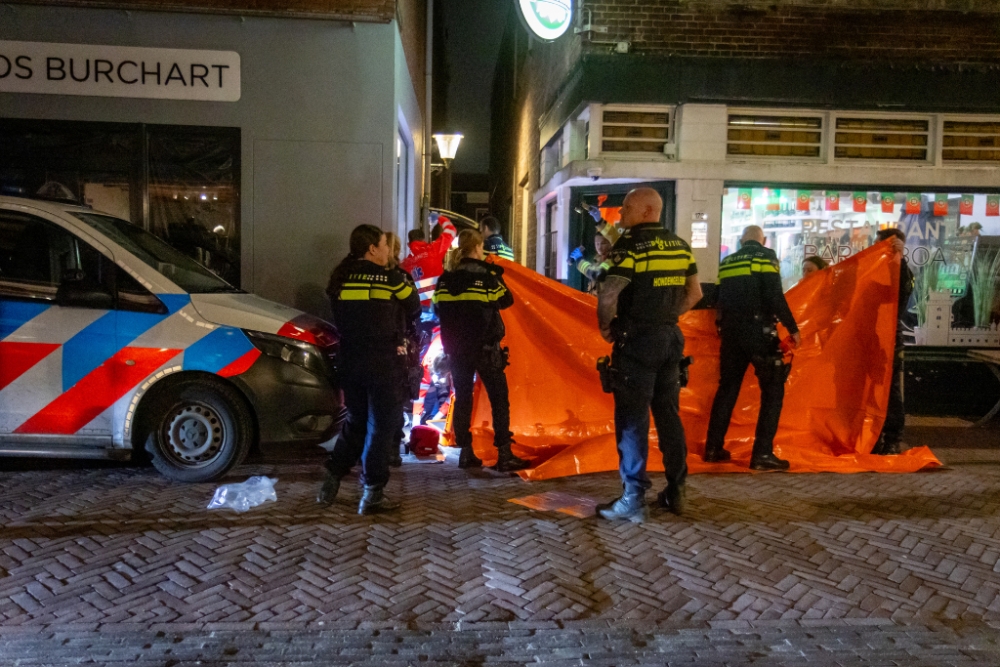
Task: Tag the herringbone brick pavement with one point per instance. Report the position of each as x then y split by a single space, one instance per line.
887 562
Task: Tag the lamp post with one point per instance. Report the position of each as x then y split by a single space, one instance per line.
447 146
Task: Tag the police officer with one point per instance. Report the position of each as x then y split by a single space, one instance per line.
469 297
890 440
750 301
372 307
493 243
652 278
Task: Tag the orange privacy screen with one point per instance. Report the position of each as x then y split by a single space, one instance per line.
835 398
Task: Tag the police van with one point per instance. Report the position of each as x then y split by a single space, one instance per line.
111 341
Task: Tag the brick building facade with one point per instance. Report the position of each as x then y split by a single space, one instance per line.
701 66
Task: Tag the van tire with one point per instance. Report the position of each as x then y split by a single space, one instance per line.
198 430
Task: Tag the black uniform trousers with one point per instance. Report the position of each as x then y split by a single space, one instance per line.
740 349
646 377
895 416
374 393
464 366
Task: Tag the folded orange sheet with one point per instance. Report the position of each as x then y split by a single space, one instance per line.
835 398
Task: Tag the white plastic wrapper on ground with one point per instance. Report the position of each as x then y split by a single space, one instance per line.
241 497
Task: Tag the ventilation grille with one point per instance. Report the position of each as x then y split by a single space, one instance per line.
971 141
635 131
882 139
775 136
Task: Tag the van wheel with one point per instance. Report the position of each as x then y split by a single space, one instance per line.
199 431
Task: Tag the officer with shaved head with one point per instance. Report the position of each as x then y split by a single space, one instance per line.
750 303
651 280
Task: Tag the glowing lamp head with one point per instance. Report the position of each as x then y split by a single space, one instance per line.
448 145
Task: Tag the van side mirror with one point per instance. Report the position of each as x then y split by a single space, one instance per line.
80 294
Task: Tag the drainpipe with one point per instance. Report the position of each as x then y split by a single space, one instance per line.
425 205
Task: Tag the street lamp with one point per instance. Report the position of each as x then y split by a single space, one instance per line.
447 147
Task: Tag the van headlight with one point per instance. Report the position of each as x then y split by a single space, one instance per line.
304 355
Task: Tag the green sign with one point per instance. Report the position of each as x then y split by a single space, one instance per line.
547 19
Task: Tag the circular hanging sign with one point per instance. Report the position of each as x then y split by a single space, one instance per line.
547 19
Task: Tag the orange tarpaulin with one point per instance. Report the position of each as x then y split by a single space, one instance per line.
835 398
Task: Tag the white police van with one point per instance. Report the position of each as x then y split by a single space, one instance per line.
112 340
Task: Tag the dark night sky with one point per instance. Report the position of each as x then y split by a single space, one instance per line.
473 32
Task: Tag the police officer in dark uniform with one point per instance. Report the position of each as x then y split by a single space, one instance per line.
372 307
493 243
750 301
469 297
651 280
890 440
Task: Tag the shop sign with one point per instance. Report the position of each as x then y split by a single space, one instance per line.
119 71
547 19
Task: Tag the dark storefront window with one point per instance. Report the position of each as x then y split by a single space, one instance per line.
180 183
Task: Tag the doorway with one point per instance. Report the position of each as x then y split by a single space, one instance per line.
609 198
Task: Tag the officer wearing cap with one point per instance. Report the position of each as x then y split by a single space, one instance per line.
750 302
652 278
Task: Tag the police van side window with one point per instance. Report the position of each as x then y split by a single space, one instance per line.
25 269
133 296
42 261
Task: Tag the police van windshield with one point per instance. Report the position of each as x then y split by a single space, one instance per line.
180 269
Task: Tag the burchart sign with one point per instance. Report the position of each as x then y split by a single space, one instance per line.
547 19
119 71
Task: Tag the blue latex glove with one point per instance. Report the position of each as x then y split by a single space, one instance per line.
576 255
595 213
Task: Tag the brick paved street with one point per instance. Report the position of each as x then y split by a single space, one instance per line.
112 564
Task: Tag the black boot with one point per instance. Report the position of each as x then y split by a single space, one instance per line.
468 459
885 448
892 448
507 462
767 461
328 491
373 501
631 506
716 455
673 498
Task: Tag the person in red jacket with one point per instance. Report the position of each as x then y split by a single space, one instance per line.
426 260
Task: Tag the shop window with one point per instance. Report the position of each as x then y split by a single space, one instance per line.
835 224
971 141
634 131
881 138
98 164
193 202
189 177
774 136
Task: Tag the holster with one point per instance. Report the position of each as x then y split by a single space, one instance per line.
772 368
496 356
604 370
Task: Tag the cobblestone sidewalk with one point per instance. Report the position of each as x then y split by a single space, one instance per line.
113 565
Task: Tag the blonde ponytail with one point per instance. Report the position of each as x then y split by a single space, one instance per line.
468 241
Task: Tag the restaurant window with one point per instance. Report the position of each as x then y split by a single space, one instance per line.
881 138
189 176
634 131
774 135
972 141
950 237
